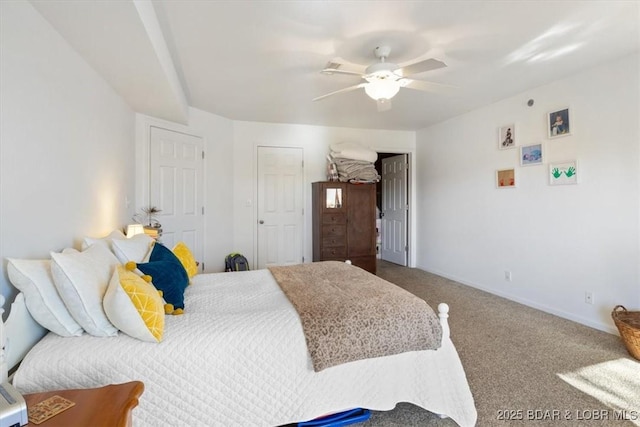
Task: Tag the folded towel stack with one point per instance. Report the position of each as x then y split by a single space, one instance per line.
354 162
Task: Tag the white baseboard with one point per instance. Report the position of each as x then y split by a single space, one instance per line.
542 307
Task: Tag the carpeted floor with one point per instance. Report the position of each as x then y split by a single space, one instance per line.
516 357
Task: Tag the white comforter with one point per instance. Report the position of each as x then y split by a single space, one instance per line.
238 357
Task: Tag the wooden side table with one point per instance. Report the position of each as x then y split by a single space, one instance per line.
108 406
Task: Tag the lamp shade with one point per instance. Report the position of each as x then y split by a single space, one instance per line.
382 89
133 229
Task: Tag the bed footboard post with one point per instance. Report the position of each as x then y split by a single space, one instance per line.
443 314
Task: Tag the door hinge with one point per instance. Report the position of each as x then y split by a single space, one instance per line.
203 267
303 260
303 211
406 248
203 154
203 210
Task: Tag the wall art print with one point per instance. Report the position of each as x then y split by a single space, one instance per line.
563 173
559 123
507 136
531 155
506 178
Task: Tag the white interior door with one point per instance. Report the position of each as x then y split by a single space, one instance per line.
394 209
280 206
176 187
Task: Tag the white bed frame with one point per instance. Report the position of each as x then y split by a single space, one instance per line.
20 333
17 335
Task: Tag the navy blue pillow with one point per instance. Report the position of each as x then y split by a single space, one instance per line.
167 274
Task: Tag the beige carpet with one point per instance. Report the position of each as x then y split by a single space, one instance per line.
522 360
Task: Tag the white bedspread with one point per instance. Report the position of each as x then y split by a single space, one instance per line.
237 357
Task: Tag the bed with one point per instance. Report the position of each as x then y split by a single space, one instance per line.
238 356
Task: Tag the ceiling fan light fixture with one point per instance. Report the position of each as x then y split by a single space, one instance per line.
383 79
382 89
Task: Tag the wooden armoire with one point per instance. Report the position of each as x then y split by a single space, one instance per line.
344 223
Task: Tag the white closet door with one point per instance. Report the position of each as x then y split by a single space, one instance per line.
176 187
280 206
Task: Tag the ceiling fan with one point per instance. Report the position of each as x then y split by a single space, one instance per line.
384 79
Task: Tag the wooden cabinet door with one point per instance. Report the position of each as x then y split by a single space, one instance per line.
361 223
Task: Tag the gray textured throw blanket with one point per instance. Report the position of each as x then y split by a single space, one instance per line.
356 170
349 314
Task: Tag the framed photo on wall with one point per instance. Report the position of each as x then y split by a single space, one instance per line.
507 136
531 154
564 173
506 178
558 123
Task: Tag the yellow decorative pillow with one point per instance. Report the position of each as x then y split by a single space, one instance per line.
134 306
186 258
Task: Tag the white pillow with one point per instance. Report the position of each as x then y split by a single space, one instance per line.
106 241
136 249
81 280
134 306
33 278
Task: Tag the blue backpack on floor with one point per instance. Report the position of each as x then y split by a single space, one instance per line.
340 419
236 262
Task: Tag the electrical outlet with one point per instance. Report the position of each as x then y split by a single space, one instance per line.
588 297
507 275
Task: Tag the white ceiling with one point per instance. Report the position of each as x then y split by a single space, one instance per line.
260 60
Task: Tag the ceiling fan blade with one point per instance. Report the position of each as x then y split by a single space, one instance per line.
427 86
420 67
337 67
383 105
346 89
330 71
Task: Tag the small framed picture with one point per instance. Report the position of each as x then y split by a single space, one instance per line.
507 136
564 173
506 178
531 155
559 123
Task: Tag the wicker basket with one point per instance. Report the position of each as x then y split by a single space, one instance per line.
628 323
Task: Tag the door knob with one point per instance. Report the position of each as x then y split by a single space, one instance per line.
261 222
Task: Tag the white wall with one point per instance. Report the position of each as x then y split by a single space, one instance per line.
230 176
314 140
558 241
219 217
67 169
66 143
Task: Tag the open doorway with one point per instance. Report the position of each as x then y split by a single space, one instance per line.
393 207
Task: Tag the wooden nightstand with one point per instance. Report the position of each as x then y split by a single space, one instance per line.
108 406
